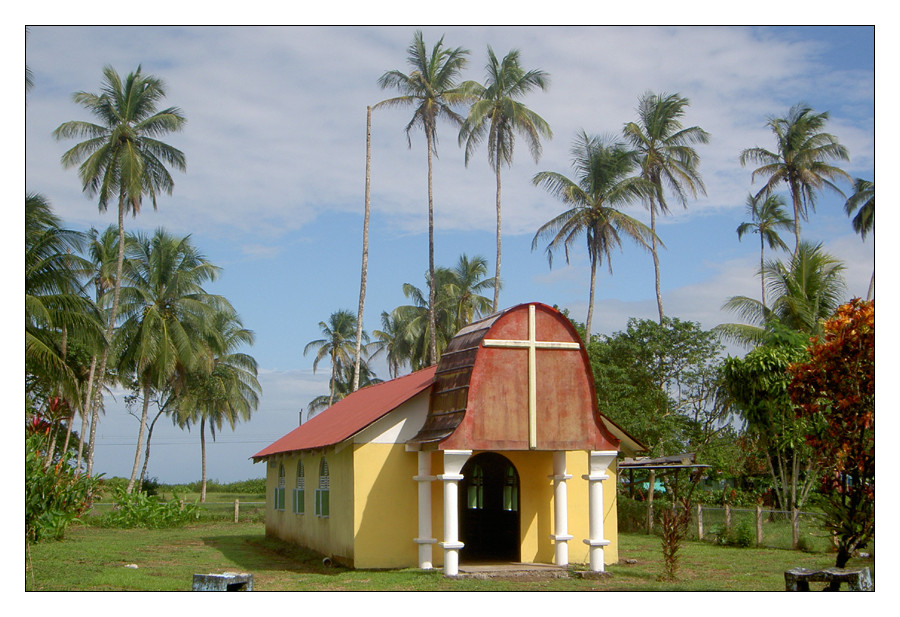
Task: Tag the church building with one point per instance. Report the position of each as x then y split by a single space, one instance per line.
496 454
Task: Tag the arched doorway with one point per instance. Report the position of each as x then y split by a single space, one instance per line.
489 509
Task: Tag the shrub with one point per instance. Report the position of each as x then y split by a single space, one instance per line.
146 511
55 496
741 535
251 486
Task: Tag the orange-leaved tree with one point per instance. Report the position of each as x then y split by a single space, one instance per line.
836 390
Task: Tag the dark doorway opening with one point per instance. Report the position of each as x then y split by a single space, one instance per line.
489 509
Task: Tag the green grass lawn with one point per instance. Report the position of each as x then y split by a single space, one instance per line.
95 559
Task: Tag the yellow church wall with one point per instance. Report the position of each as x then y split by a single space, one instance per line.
577 492
374 506
385 506
536 503
331 535
537 507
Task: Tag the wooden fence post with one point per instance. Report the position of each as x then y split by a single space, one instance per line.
727 518
237 510
699 522
650 501
795 528
758 525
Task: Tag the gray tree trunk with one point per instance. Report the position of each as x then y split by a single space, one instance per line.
365 253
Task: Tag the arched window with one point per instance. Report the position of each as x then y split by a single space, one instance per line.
322 493
279 489
511 490
475 496
299 498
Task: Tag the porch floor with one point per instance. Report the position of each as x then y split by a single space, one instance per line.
501 569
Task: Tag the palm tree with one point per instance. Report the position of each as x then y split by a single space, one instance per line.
804 293
343 387
55 304
603 183
863 200
62 324
102 252
223 387
338 343
431 88
389 340
463 291
766 218
365 254
122 157
167 316
800 160
497 115
667 159
406 334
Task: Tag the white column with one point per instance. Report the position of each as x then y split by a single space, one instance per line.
453 464
560 533
425 541
598 463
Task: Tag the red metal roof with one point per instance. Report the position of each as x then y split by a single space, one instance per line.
351 414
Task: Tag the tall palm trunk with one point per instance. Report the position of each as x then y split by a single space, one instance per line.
655 252
85 410
432 326
143 475
110 327
333 376
140 441
590 315
365 253
203 459
762 261
497 277
795 200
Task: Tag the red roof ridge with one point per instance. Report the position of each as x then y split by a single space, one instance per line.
351 414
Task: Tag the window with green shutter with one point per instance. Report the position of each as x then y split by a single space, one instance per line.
299 499
322 493
279 490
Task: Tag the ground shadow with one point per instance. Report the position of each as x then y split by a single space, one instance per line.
258 553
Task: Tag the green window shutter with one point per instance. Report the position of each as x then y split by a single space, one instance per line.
322 502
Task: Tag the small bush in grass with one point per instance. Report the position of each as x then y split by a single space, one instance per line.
55 495
142 510
741 535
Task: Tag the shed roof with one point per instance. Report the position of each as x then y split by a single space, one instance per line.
351 414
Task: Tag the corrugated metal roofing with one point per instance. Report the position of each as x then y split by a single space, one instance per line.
450 394
351 414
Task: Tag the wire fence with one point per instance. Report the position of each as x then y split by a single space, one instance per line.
797 530
237 510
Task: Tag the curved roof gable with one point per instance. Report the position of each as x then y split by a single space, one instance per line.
517 380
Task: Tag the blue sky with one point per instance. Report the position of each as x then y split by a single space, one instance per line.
275 144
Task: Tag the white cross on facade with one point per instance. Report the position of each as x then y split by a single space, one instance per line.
532 345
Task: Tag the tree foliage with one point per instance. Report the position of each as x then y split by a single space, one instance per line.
604 183
661 384
496 115
800 160
757 388
834 390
